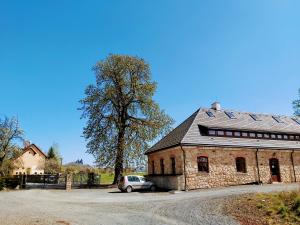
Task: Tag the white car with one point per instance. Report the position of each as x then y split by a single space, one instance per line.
133 182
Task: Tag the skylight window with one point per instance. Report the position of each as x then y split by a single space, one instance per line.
210 114
255 117
230 115
278 119
297 120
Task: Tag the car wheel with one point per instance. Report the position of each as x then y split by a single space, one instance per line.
129 189
152 188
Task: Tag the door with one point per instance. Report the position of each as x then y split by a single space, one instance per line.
275 171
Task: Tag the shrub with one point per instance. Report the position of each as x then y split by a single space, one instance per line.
296 205
283 210
11 182
2 184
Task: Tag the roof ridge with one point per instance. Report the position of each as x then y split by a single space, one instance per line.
247 112
175 136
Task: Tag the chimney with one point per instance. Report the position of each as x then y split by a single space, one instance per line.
26 143
216 106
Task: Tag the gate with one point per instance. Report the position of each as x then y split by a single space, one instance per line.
58 181
47 181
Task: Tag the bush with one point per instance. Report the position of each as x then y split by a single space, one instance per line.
296 205
2 184
12 182
9 182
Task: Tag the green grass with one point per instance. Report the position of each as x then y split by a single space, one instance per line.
270 209
108 178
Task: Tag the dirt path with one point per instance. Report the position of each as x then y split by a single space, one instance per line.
96 207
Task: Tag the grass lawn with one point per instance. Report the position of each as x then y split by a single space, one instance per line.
266 209
108 178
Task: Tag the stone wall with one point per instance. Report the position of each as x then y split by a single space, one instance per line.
170 182
222 166
166 155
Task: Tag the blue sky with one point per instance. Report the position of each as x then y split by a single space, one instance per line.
244 54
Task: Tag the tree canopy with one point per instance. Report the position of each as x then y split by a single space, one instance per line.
296 105
10 132
122 117
53 161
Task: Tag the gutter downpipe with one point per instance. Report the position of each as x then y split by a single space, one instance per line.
257 165
292 159
184 170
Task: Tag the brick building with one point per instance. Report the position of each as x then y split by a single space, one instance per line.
215 147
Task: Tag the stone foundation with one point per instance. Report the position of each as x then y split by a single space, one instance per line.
175 182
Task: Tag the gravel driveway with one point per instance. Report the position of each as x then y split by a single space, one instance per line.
109 206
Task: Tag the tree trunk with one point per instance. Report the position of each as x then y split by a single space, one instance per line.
120 155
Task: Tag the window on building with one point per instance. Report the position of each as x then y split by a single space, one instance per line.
17 173
240 165
230 115
229 133
273 136
220 133
153 168
212 132
202 164
244 134
266 135
292 137
277 119
237 134
252 135
162 166
173 165
255 117
279 136
210 113
259 135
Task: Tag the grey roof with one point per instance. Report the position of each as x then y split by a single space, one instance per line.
187 133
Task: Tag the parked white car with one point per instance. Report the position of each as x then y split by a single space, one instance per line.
133 182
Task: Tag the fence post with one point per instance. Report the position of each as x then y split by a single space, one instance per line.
68 182
23 181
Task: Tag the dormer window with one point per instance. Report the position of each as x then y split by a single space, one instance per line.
230 115
277 119
255 117
210 113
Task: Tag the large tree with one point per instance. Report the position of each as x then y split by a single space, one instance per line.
10 132
122 117
296 105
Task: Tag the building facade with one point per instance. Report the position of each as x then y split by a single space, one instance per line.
215 147
32 161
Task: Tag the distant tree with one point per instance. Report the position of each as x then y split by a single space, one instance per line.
296 105
53 152
10 132
122 115
53 161
79 161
